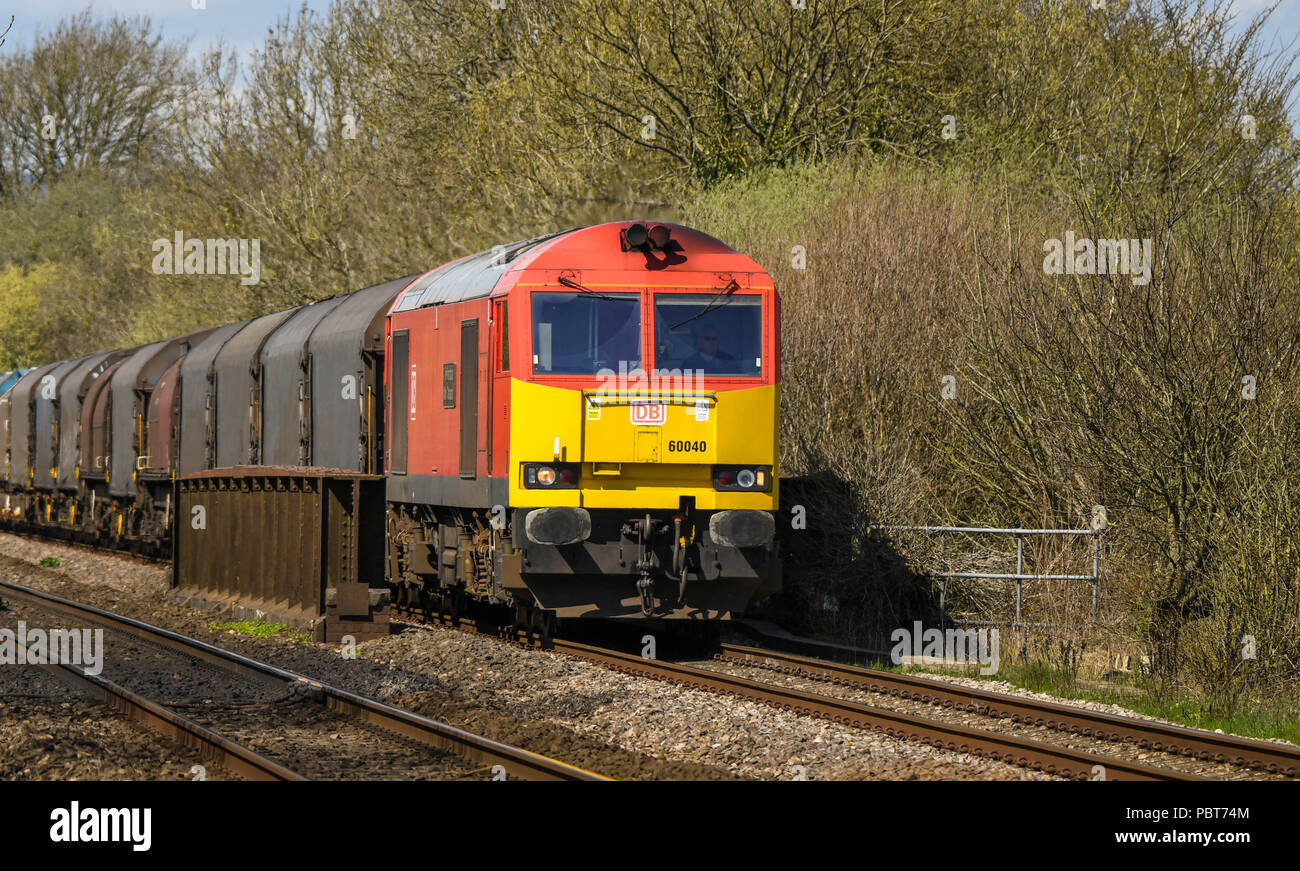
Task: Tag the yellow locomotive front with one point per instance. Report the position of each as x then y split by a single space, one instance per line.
643 436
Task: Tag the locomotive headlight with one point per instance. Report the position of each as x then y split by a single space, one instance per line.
551 476
635 236
659 236
742 478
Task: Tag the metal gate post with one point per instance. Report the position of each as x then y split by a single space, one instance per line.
1020 570
1096 569
943 583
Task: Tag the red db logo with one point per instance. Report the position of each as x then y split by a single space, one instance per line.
649 413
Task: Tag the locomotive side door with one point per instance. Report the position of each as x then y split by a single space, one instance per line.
398 401
469 398
498 402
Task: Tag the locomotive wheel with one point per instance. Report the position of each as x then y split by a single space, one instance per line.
547 625
541 625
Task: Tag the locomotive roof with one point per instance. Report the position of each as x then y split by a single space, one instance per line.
469 277
478 275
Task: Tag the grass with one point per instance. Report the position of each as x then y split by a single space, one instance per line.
259 629
255 628
49 562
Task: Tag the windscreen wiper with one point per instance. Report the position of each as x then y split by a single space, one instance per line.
727 291
569 282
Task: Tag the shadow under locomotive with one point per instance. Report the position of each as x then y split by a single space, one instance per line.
683 564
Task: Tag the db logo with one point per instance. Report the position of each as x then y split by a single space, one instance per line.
649 413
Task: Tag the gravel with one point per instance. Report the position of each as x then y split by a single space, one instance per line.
624 726
50 731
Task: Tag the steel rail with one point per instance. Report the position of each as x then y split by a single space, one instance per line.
231 755
1182 740
1052 759
518 762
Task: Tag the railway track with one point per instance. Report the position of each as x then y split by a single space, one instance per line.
1038 756
1177 741
1035 755
314 704
230 755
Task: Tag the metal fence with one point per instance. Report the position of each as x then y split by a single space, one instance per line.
1020 575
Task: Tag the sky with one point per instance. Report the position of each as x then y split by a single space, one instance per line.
1283 27
241 23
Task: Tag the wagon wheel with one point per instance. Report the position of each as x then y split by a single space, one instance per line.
455 605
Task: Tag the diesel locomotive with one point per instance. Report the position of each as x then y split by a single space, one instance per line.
583 424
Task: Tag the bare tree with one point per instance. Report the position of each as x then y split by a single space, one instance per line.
92 94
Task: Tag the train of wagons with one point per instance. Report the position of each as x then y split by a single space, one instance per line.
583 424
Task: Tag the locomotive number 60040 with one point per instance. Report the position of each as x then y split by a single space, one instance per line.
686 446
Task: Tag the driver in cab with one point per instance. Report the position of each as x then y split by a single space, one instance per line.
708 356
